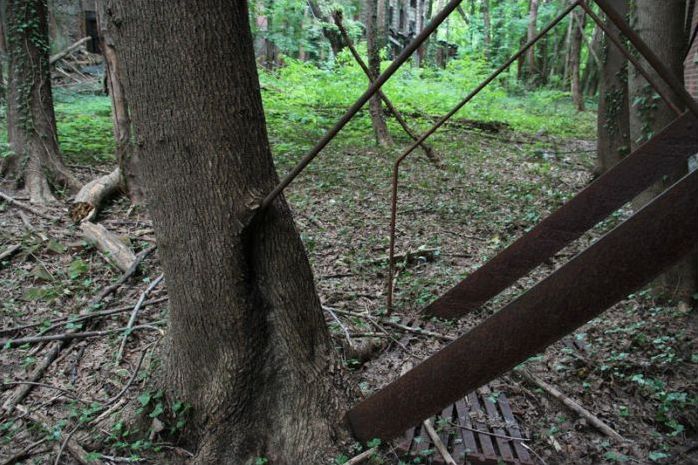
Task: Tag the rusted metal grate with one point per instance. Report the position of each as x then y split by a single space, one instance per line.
478 429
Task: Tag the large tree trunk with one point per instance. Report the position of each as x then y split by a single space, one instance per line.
36 158
248 345
662 30
614 111
576 38
374 64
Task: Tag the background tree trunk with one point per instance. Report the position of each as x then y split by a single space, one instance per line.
126 157
374 64
31 120
663 31
487 27
531 63
576 38
249 349
614 111
331 34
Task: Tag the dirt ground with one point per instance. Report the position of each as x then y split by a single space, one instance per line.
637 373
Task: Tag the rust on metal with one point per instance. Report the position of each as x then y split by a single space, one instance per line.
659 67
472 434
360 102
625 259
664 154
613 37
441 122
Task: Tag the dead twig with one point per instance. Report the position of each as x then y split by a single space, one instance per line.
23 390
48 386
71 335
27 207
401 327
438 443
24 453
341 325
10 251
134 316
365 455
575 407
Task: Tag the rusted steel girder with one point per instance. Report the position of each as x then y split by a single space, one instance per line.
622 261
664 154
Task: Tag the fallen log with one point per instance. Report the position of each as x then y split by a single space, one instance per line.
64 53
88 201
118 253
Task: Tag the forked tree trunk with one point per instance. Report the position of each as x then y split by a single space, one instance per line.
380 128
36 158
576 39
614 111
662 30
248 345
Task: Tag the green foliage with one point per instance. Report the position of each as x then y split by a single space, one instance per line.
85 127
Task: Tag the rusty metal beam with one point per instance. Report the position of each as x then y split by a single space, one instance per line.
624 260
664 154
659 67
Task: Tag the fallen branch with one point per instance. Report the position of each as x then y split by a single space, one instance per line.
401 327
134 315
365 455
575 407
25 206
62 54
426 255
11 250
56 322
23 390
68 336
118 253
438 443
24 453
88 201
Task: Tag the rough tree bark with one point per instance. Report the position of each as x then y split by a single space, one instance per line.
487 27
613 112
36 158
248 346
533 71
331 34
373 44
576 38
663 31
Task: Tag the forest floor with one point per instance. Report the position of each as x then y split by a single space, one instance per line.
638 372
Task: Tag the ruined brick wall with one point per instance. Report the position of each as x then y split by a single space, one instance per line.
691 63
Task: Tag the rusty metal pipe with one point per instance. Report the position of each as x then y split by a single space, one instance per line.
613 37
659 67
360 102
438 124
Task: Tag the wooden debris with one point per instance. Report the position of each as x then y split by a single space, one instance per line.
69 336
10 251
365 455
27 207
575 407
88 201
410 258
438 443
118 253
64 53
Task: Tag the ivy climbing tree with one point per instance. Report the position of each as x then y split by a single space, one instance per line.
35 158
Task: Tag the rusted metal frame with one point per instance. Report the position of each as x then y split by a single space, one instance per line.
613 37
360 102
659 67
389 104
441 122
622 261
664 154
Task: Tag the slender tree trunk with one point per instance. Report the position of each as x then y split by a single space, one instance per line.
126 157
31 131
662 30
330 33
373 29
614 111
487 27
248 346
531 65
574 58
591 69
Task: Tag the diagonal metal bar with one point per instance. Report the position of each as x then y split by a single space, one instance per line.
360 102
660 68
441 122
388 103
664 154
625 259
617 41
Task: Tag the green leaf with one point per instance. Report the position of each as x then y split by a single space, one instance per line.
144 399
157 410
657 455
56 247
77 268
